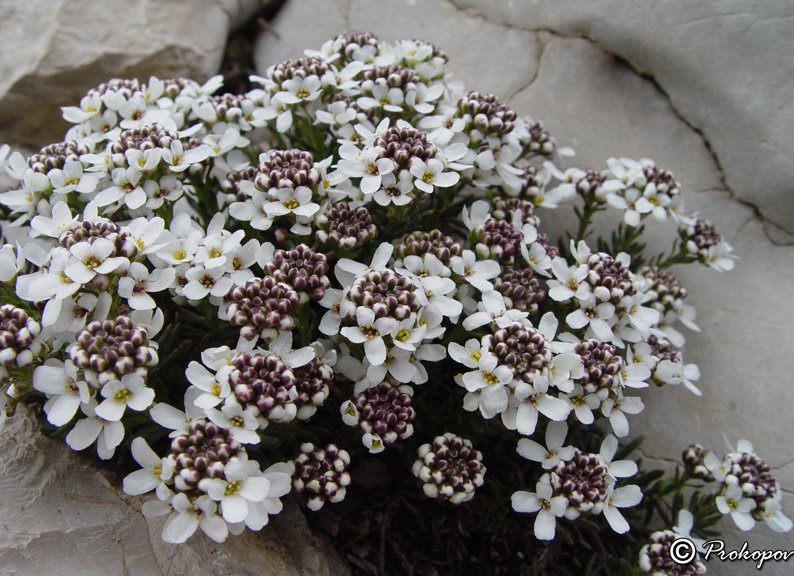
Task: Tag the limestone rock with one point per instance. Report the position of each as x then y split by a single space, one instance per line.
61 514
726 67
53 51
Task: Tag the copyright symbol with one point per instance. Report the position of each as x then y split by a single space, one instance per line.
683 551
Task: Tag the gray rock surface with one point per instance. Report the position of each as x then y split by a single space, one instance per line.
61 514
53 51
690 86
725 66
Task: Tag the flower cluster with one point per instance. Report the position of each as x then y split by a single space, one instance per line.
357 241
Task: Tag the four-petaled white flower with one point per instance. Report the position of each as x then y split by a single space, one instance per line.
129 392
543 501
370 332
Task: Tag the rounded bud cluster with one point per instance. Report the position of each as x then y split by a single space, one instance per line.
435 51
386 410
266 385
610 279
313 386
486 113
172 87
287 169
751 474
385 292
583 480
89 231
589 186
57 155
124 87
664 180
201 453
404 144
143 138
532 184
552 251
655 557
346 227
498 239
521 289
662 349
262 307
321 474
601 364
393 75
699 237
523 350
109 349
231 185
18 332
298 68
347 44
504 208
450 468
539 140
433 242
303 269
693 458
664 291
229 107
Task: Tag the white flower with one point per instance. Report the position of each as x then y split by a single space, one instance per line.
628 202
553 452
241 424
675 373
126 185
397 364
179 422
292 201
242 485
732 501
139 282
154 474
348 270
492 309
107 434
130 392
477 273
596 317
369 166
468 356
542 501
407 334
370 332
620 468
623 497
179 160
489 383
774 518
582 403
528 401
213 388
66 390
188 516
253 211
616 410
569 283
206 281
431 173
61 221
91 259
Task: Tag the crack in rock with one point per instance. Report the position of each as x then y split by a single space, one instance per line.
787 238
